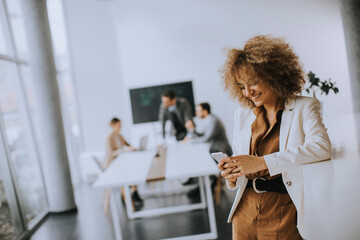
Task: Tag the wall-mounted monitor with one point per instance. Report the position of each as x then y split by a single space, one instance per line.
145 102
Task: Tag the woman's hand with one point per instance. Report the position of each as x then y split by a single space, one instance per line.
185 140
228 173
243 164
130 148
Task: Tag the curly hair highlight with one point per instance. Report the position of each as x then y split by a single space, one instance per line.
267 59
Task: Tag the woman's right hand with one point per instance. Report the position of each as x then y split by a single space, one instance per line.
228 173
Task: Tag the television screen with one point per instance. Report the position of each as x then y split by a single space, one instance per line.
145 102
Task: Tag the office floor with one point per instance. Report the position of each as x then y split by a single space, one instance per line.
90 223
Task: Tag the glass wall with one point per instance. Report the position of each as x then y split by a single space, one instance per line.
7 227
11 224
23 157
65 77
22 191
23 201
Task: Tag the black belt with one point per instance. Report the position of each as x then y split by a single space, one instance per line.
261 185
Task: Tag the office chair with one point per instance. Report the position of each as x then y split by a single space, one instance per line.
99 163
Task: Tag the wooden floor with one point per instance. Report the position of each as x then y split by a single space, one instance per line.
90 223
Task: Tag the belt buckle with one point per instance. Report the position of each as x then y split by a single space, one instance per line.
254 185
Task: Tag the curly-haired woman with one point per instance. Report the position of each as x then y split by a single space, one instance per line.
276 132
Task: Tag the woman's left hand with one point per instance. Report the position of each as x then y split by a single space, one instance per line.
244 164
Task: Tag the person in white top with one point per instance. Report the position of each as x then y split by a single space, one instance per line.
276 132
213 133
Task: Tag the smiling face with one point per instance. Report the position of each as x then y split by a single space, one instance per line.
259 93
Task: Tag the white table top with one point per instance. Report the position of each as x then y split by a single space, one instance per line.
131 168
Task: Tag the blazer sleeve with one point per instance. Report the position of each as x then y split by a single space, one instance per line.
231 185
316 145
162 119
188 114
123 140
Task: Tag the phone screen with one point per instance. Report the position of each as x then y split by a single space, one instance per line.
218 156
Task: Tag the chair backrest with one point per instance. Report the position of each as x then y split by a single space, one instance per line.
99 163
143 142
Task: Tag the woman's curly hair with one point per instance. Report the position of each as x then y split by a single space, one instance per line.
267 59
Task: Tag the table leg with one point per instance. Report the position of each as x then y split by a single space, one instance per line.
211 212
165 210
210 207
202 192
115 216
128 200
205 195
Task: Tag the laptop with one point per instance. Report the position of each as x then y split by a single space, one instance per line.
143 143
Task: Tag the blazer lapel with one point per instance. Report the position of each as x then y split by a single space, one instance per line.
286 120
248 132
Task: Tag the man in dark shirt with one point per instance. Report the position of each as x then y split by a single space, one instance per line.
178 111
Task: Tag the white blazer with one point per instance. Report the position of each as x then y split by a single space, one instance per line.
303 139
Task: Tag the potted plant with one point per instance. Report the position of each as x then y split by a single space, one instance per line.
317 85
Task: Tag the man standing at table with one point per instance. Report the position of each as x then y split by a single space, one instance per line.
178 111
214 131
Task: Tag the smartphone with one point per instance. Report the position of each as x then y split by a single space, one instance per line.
218 156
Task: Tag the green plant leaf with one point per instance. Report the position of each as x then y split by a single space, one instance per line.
324 86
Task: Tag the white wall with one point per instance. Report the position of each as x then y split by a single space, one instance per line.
121 44
97 68
165 41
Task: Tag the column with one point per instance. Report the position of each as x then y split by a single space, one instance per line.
48 117
350 11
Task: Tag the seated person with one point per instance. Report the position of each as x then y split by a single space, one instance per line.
214 131
116 144
178 111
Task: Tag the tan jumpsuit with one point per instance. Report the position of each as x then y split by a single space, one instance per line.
269 215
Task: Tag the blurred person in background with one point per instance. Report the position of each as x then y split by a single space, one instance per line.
214 134
115 145
178 111
214 131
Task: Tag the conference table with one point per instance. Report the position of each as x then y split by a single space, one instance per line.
139 167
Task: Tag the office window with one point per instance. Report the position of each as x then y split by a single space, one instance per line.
23 158
19 154
9 229
4 48
17 27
